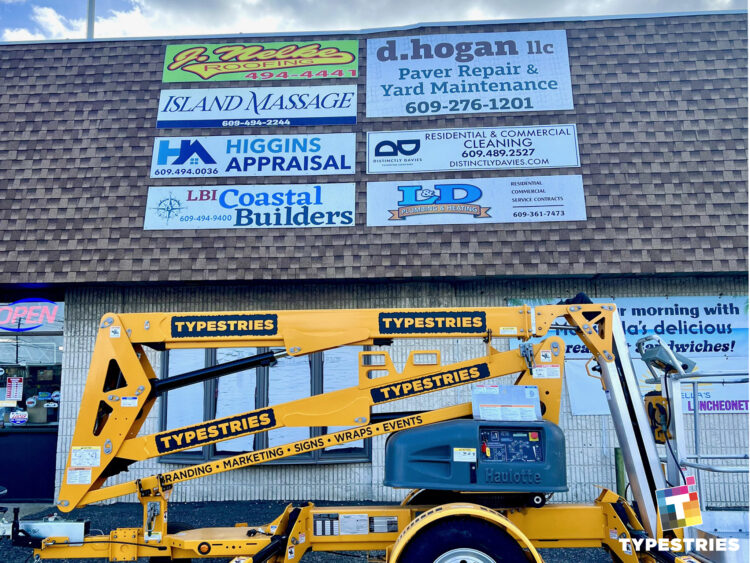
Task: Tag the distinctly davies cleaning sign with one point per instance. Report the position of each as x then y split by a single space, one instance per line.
468 73
254 107
249 207
261 61
253 155
480 148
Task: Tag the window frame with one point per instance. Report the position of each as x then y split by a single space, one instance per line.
262 386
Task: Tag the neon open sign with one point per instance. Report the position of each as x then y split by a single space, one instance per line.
27 314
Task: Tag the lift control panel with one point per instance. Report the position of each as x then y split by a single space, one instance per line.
511 444
478 456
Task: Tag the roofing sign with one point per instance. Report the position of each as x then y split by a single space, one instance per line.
253 107
479 200
253 155
261 61
249 207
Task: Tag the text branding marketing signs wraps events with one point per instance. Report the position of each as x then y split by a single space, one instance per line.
261 61
468 73
487 148
253 107
478 200
253 155
252 207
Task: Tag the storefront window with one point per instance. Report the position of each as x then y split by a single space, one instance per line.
236 394
31 349
291 379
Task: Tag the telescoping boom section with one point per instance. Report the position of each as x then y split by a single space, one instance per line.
122 388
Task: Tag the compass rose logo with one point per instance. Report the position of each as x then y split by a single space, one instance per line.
169 208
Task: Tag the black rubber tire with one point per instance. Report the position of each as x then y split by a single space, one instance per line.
173 528
464 532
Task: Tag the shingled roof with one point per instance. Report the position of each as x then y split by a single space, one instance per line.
660 106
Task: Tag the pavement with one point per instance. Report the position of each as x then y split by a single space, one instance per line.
208 514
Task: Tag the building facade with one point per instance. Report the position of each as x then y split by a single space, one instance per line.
618 168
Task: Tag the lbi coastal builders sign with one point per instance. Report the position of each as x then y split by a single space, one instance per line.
468 73
487 148
253 107
475 201
254 207
303 60
253 155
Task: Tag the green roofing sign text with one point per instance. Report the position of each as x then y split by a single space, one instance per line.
261 61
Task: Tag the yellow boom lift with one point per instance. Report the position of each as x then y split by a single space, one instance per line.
479 486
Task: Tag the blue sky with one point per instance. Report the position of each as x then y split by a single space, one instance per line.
24 20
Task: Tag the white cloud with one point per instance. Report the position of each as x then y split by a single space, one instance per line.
21 34
49 25
146 18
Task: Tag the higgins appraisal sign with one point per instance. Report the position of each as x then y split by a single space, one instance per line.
252 207
261 61
488 148
468 73
253 107
480 200
253 155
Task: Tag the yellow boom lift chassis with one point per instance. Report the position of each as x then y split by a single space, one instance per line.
446 526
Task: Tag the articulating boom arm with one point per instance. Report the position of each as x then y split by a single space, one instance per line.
122 387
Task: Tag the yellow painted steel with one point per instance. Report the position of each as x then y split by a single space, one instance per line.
119 395
114 433
170 478
460 509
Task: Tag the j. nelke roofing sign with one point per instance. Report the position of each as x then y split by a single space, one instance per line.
261 61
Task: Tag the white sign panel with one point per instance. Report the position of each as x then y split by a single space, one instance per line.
250 207
254 107
468 73
473 201
710 330
253 155
486 148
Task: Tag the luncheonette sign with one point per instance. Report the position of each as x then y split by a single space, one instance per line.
710 330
